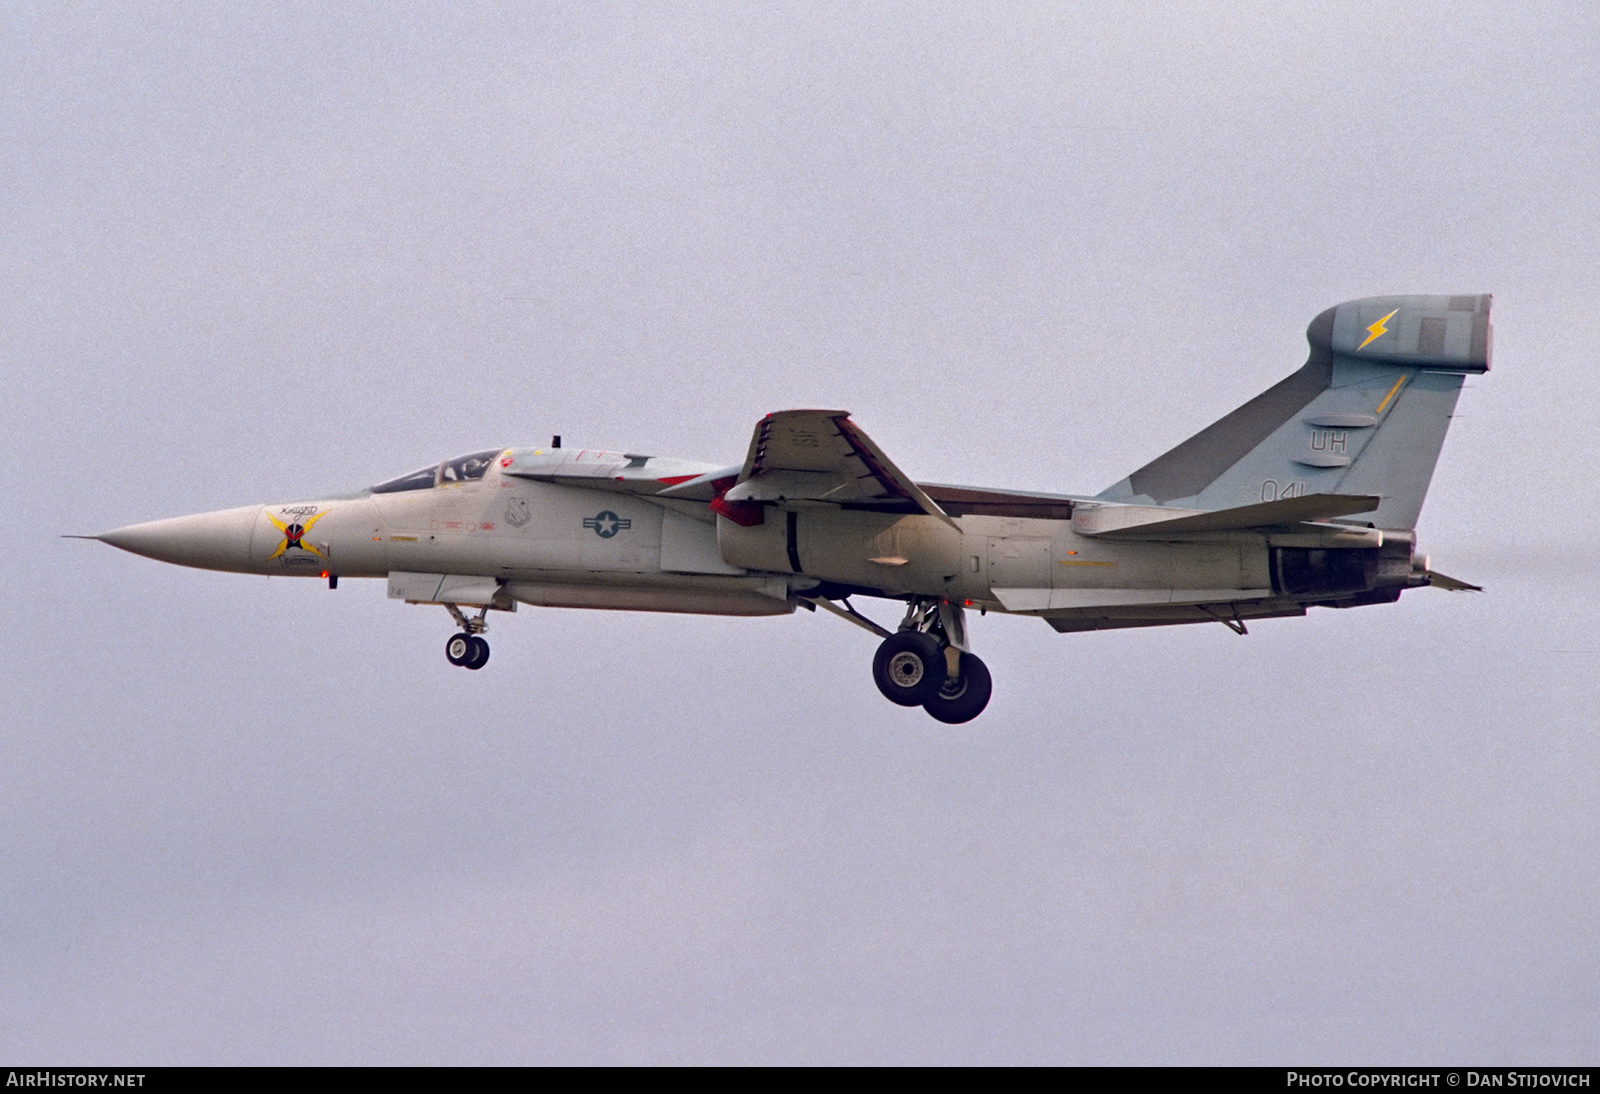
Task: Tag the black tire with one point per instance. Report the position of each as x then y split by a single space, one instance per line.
909 668
480 654
459 650
962 699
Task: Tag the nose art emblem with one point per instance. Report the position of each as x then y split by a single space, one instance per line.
292 534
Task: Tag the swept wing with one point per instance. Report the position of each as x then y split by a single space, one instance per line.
821 457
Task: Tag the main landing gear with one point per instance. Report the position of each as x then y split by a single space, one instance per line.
962 697
467 649
923 665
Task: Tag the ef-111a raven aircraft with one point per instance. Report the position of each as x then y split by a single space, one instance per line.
1305 496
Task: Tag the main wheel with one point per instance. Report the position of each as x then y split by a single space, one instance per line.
480 654
963 699
459 650
909 668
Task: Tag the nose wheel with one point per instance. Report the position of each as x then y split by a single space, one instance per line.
467 650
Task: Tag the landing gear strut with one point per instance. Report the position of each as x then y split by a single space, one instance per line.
926 664
467 649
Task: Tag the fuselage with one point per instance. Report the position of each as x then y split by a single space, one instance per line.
517 520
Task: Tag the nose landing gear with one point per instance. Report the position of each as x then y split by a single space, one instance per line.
467 649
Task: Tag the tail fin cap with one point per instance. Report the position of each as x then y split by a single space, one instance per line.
1433 333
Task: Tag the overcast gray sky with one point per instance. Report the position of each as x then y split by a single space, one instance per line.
252 255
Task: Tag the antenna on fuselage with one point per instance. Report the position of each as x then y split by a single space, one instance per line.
555 442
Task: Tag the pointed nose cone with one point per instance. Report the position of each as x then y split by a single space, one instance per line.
211 541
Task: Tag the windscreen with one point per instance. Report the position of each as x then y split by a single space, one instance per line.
417 480
461 469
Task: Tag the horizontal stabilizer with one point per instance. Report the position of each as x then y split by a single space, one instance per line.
1146 521
1440 581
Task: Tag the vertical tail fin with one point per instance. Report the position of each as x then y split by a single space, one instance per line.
1366 414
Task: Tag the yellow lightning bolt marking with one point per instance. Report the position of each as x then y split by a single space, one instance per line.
304 528
1377 330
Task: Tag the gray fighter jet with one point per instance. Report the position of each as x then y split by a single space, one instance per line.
1306 496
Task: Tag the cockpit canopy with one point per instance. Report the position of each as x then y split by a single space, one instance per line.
459 470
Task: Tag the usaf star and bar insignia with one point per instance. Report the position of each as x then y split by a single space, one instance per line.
606 524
